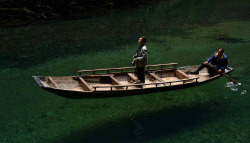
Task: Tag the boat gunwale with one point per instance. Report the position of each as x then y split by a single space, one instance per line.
124 68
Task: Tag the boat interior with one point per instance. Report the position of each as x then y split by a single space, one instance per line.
125 78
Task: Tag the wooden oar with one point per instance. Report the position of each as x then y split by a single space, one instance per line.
224 74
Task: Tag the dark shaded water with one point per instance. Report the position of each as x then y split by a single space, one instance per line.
180 31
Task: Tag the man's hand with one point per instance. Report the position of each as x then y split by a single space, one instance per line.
206 62
219 71
135 60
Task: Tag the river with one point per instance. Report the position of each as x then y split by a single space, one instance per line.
186 32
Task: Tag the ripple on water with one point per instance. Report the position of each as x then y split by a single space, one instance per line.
243 92
235 87
232 86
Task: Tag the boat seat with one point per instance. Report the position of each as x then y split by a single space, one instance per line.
53 82
180 74
85 85
132 77
155 76
115 82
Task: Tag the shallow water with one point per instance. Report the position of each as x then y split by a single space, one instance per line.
180 31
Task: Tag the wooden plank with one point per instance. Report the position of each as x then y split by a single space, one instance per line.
123 68
180 74
163 70
158 65
108 69
116 82
132 76
101 75
155 76
53 82
85 85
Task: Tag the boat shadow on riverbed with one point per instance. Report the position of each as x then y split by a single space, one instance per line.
147 126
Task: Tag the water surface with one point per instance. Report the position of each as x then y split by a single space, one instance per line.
186 32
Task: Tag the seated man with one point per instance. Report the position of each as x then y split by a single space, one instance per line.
217 60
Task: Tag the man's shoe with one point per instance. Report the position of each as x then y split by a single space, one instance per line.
136 82
194 72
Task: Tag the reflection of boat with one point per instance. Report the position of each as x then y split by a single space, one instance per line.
114 82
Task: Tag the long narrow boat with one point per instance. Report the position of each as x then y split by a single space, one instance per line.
116 82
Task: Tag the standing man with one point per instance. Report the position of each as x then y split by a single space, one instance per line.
217 60
141 59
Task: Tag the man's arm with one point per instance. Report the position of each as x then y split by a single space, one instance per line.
144 54
135 55
211 58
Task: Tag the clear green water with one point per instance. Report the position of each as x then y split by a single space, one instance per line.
180 31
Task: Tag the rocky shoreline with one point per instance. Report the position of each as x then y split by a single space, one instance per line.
22 12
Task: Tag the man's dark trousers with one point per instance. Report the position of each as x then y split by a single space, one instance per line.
211 71
140 74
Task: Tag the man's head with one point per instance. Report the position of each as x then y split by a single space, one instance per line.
220 52
142 40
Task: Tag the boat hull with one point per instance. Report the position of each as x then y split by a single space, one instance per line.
73 94
101 94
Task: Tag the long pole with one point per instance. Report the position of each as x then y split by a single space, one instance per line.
224 74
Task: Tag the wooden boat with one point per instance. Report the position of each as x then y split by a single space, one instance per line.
115 82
